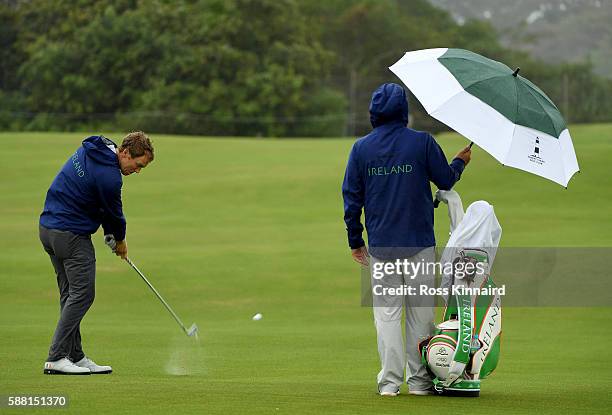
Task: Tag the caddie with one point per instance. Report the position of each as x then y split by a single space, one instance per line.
388 176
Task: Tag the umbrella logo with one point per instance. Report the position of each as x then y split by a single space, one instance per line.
535 157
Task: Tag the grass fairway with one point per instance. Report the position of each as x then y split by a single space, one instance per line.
226 228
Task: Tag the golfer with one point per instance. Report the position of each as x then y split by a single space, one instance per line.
388 176
85 194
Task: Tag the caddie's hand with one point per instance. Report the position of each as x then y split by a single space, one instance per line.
361 255
465 155
121 249
109 240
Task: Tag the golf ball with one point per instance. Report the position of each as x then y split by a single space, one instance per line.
257 317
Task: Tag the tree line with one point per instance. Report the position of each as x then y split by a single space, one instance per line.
238 67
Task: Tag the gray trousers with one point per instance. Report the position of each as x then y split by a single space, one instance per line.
401 359
74 260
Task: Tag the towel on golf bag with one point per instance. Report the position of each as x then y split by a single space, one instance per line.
477 229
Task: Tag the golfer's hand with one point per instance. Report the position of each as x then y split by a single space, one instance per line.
121 249
465 155
109 240
361 255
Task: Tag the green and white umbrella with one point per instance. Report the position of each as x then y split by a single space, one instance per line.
491 105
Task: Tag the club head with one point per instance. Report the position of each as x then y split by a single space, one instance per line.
193 330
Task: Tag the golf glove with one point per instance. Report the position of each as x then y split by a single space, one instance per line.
110 241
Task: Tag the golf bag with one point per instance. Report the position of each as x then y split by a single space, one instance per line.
465 346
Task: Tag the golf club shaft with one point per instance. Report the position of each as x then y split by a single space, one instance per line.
178 320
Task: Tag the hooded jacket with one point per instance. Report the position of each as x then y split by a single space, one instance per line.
86 193
388 175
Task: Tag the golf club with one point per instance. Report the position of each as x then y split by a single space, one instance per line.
193 330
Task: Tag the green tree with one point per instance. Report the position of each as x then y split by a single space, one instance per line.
214 67
11 58
238 67
370 35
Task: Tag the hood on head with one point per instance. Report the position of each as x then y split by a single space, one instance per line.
388 104
96 147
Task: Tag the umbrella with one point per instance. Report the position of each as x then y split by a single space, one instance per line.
493 106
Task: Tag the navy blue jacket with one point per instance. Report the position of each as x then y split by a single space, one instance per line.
86 193
388 176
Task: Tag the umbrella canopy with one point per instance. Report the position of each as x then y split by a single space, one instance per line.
495 107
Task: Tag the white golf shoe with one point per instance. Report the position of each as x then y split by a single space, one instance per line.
95 369
64 367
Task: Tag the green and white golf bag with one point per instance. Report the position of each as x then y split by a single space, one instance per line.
465 346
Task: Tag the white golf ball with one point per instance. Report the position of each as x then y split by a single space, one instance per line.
257 317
